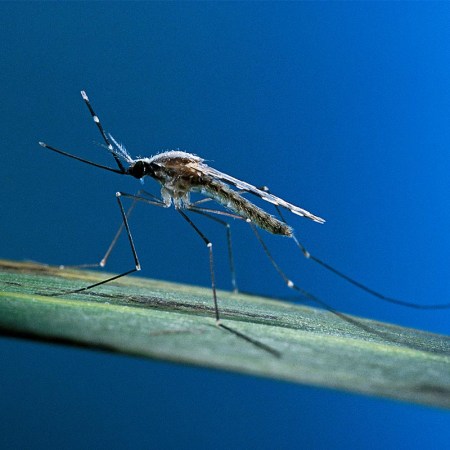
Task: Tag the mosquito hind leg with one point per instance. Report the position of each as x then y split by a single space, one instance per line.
307 295
356 283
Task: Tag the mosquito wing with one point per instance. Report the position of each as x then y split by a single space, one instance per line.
239 184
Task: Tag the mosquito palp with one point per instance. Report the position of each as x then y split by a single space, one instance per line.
180 174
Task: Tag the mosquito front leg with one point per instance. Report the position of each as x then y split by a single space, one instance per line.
137 266
137 197
102 263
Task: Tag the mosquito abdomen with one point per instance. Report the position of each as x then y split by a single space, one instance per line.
237 204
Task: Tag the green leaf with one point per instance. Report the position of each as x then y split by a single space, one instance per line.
175 322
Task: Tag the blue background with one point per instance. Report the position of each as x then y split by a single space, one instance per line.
343 109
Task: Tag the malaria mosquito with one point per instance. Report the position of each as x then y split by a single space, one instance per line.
180 174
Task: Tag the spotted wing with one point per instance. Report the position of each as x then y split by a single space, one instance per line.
239 184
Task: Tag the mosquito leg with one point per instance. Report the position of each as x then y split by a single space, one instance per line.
201 201
354 282
290 284
137 266
102 131
211 260
213 285
207 213
365 288
302 248
105 258
383 334
137 197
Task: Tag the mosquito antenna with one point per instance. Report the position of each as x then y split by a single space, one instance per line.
356 283
43 144
102 131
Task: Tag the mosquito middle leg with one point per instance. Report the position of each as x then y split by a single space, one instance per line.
208 213
213 285
209 245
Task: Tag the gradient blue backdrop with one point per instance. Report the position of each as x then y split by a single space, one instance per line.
341 108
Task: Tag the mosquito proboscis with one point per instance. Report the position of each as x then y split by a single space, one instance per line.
180 174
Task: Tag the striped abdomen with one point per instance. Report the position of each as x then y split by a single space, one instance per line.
237 204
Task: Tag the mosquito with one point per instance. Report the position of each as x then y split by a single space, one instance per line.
180 174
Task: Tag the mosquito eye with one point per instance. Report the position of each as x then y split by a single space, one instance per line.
138 170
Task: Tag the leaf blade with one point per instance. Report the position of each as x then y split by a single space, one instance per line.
175 323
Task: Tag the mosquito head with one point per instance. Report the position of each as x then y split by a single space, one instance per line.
142 168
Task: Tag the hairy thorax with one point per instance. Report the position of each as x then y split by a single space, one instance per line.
179 174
